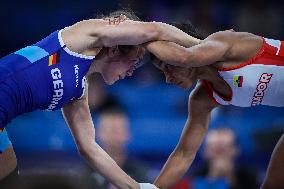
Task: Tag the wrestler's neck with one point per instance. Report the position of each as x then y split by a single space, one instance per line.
99 63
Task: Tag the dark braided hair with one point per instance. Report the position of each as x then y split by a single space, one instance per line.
129 13
186 27
189 28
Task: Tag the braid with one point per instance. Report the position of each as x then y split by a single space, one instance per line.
189 28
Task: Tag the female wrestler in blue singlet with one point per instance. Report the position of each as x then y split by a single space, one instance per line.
50 75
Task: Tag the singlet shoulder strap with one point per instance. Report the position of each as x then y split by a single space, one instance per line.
72 53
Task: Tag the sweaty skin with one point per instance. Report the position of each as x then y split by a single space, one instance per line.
195 128
87 37
184 66
222 49
101 38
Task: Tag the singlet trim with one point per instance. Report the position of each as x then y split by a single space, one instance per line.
223 97
62 44
209 91
248 62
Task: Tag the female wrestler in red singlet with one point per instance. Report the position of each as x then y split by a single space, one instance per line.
232 68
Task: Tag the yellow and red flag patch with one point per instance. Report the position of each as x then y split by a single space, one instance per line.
54 58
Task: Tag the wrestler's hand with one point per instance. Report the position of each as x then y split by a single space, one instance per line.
147 186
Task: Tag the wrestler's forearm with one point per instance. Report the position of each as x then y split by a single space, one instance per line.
170 33
103 163
78 118
174 169
183 155
168 52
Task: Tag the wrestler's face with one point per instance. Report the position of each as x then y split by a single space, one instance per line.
183 77
121 64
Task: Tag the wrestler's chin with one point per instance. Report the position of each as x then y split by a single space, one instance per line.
111 82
